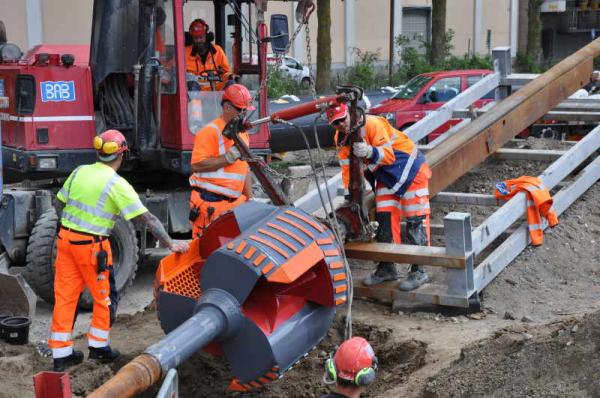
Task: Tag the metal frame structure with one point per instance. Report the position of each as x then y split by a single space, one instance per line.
464 280
482 135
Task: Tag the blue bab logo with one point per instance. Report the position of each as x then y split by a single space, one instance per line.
57 91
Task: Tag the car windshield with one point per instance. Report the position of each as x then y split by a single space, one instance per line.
410 89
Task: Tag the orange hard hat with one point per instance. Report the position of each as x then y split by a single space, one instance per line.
354 357
198 28
336 112
109 144
239 96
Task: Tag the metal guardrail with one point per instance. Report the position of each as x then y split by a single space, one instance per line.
468 146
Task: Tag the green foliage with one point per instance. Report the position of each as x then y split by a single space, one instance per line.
412 63
448 46
280 83
363 73
524 63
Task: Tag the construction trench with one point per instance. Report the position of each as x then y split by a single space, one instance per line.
451 337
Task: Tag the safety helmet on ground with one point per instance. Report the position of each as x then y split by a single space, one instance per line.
198 28
336 112
354 361
239 96
110 144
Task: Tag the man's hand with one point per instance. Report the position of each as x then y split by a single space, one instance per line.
179 246
362 149
232 154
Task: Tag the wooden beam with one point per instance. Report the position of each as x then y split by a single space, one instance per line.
407 254
482 137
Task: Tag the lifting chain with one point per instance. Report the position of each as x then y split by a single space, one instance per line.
309 60
279 174
279 60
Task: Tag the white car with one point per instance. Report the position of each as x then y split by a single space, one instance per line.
293 67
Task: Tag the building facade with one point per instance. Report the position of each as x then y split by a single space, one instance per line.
368 25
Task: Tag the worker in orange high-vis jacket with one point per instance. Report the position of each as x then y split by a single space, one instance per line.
203 55
402 186
220 179
539 204
88 204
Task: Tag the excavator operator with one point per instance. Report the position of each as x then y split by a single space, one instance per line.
206 61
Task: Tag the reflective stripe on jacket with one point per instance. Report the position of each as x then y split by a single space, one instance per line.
210 142
395 160
539 203
94 196
215 60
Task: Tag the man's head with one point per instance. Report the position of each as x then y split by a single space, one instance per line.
110 146
236 99
339 117
354 364
201 36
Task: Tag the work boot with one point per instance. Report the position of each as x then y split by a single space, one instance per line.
60 364
104 354
385 272
416 277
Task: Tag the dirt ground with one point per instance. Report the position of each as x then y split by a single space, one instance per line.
536 336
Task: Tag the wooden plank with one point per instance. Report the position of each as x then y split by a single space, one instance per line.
407 254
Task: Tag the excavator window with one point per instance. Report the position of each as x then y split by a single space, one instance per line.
165 46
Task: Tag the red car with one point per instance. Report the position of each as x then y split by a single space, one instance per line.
427 92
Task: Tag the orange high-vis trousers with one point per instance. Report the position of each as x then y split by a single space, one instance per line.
207 211
412 206
76 268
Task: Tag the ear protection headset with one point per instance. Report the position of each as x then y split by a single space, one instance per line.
210 36
363 377
107 147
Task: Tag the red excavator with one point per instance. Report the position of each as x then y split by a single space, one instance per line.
55 98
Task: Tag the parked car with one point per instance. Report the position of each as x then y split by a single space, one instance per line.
293 67
427 92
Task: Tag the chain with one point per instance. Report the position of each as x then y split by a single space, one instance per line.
278 174
309 59
279 60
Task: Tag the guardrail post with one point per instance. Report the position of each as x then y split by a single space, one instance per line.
502 64
457 232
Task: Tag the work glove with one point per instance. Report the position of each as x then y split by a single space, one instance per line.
179 246
232 154
362 149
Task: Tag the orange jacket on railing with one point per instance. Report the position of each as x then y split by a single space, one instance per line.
539 203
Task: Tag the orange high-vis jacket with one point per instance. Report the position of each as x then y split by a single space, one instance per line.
539 203
208 143
395 160
215 60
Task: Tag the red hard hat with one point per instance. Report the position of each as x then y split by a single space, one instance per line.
336 112
198 28
353 355
111 142
239 96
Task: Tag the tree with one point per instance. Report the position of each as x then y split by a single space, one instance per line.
534 30
523 26
323 46
438 32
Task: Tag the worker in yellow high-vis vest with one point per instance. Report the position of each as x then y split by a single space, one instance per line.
88 205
